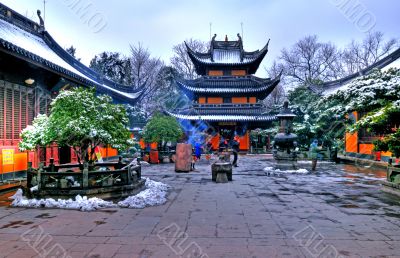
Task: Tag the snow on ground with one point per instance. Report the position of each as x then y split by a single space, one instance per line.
298 171
319 162
154 194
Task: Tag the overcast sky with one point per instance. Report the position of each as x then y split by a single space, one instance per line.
113 25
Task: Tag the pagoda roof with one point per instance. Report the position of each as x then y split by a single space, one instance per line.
224 112
227 54
27 40
229 85
332 87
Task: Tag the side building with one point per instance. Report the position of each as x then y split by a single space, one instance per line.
360 144
227 97
33 69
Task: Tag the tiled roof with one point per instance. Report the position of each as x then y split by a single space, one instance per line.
229 84
25 38
224 112
227 54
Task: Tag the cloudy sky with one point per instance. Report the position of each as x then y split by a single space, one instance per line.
93 26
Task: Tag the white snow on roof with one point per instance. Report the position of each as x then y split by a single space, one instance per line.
226 56
331 91
395 64
222 56
236 90
223 117
133 95
37 46
33 44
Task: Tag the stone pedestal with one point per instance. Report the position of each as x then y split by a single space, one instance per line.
183 158
221 177
221 172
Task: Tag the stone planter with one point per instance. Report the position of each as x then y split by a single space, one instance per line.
221 168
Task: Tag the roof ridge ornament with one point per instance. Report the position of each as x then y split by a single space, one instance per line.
212 47
241 47
41 21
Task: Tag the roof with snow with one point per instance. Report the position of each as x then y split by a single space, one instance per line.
224 113
331 87
27 40
227 54
229 86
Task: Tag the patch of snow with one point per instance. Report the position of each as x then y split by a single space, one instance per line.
80 203
294 171
154 194
144 163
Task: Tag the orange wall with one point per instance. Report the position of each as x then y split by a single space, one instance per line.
20 160
202 100
214 100
366 148
215 142
252 100
215 73
351 142
238 72
245 141
386 153
239 100
108 152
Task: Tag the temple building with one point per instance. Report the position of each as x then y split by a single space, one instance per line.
227 97
33 69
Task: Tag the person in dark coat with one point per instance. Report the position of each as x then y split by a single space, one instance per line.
235 149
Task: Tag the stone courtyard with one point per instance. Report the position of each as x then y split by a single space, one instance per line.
339 211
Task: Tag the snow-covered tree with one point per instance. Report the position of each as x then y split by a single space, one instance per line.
81 120
35 135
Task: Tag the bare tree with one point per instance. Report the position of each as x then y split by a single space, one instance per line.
357 56
145 70
278 95
181 61
309 61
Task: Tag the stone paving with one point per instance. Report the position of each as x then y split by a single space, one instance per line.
339 211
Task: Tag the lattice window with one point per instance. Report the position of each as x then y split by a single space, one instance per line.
24 113
31 106
9 112
18 108
17 112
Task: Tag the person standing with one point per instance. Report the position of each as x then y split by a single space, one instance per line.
235 149
198 149
314 154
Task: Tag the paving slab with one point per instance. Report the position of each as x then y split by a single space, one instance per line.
338 210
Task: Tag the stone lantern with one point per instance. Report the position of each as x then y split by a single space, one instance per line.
285 142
